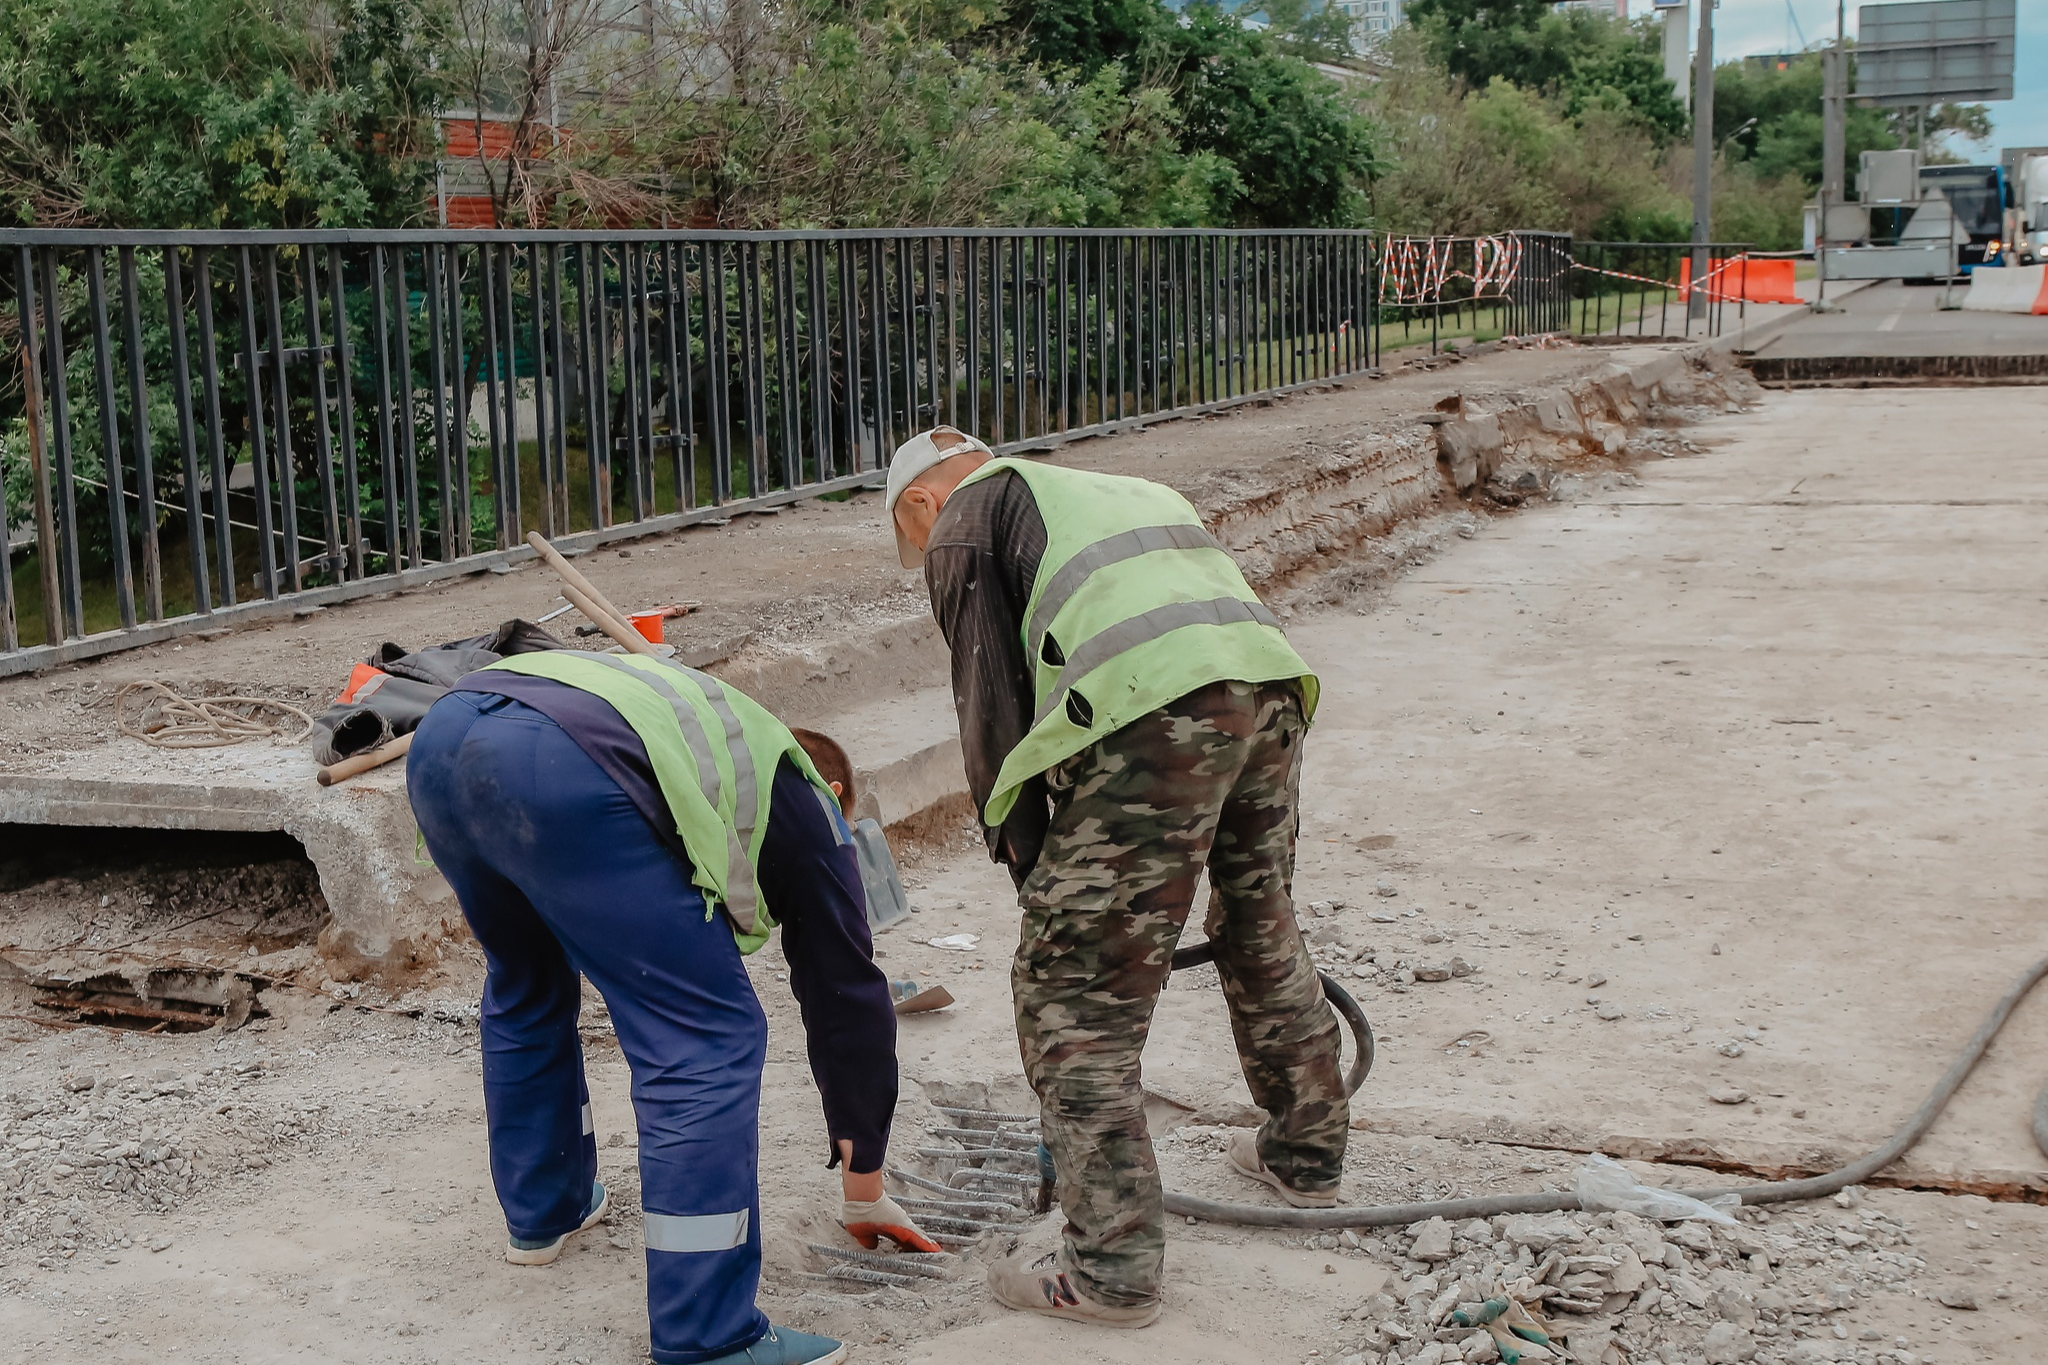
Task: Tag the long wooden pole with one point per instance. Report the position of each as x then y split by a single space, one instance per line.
588 600
576 580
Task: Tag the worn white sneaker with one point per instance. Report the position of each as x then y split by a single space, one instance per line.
1036 1283
521 1251
1243 1156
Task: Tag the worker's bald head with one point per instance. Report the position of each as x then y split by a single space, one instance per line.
923 473
917 508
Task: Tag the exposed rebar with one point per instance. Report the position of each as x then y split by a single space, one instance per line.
930 1265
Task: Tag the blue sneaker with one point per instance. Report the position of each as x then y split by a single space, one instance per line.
521 1251
783 1346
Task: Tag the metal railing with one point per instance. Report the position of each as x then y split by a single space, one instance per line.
1644 289
199 427
1436 291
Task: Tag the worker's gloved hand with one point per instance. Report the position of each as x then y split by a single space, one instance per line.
871 1220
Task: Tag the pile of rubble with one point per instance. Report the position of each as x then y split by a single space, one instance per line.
81 1161
1612 1288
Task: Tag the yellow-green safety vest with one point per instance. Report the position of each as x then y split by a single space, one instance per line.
714 751
1135 605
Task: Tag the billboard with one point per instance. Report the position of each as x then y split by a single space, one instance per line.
1935 51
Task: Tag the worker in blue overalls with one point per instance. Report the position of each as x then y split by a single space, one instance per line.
646 826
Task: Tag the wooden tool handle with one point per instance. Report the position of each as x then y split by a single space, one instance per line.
589 600
575 579
364 761
632 640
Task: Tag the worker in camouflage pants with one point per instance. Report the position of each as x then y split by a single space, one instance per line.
1206 781
1130 715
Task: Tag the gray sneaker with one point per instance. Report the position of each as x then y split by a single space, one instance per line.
1243 1156
1036 1283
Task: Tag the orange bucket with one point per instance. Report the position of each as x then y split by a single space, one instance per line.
651 625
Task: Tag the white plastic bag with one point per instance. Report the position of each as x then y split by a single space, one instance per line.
1606 1184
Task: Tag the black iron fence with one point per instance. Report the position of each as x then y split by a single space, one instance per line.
1645 289
1445 291
198 426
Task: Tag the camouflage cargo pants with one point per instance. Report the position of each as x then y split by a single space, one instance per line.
1208 781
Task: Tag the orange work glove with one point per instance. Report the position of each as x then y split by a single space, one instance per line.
871 1220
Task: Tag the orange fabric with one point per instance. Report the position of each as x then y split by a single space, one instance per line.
1743 278
2041 299
358 676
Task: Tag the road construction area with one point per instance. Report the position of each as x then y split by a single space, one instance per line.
1681 799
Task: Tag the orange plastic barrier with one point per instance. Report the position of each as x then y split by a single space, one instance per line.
1742 277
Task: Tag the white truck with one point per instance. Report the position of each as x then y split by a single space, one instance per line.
2026 229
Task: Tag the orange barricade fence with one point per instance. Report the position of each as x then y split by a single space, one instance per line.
1743 278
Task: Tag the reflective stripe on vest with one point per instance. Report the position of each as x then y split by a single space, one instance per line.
1100 648
695 1232
1141 540
742 900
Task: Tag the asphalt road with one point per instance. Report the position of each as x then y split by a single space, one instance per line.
1891 318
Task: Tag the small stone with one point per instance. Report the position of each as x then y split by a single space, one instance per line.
1383 887
1480 1348
159 1244
1432 1241
1730 1049
1540 1232
1959 1297
1432 973
1727 1344
1728 1094
1432 936
1597 979
1461 968
1609 1011
77 1083
1321 909
1735 1306
1628 1276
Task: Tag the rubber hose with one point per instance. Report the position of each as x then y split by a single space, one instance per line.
1194 955
1772 1192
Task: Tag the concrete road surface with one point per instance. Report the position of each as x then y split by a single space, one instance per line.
1891 318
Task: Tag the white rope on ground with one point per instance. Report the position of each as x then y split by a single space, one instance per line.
168 720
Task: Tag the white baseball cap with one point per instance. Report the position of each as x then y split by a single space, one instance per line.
912 460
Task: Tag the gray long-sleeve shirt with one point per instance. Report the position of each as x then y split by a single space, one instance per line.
979 566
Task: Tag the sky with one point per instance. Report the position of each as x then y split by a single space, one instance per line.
1744 27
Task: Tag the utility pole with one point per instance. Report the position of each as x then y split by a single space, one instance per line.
1677 20
1834 141
1702 158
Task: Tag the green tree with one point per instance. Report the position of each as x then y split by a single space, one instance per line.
212 113
1477 40
1301 145
1584 59
1770 121
1087 35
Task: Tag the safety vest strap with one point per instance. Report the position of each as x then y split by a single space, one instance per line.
1132 631
742 899
1139 540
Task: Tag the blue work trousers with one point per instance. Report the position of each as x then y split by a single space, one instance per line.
559 873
